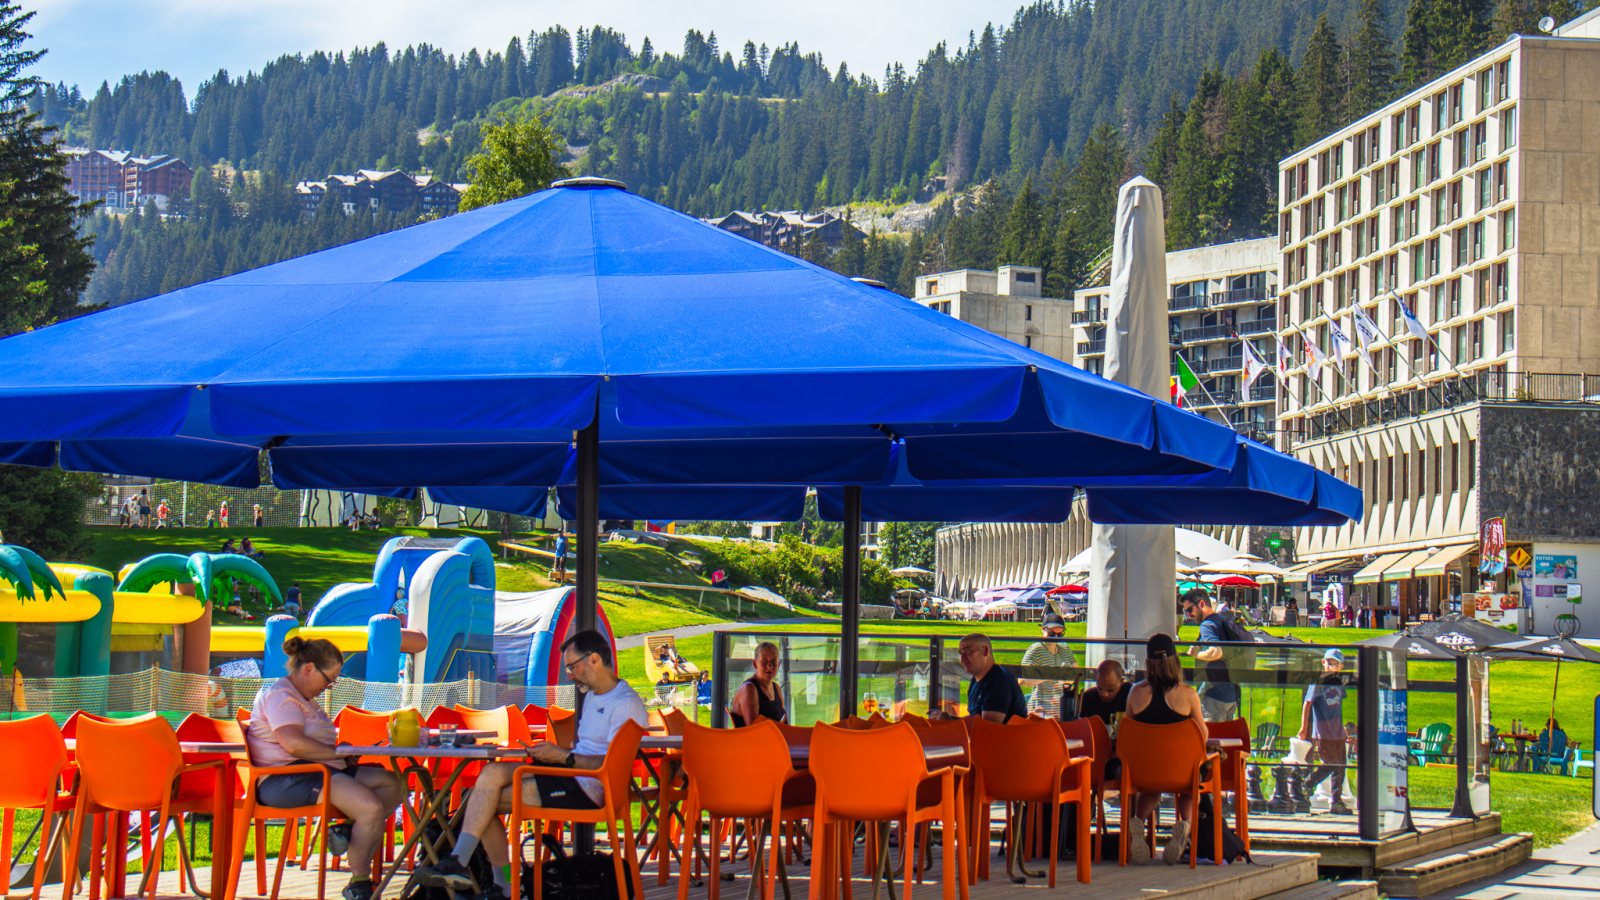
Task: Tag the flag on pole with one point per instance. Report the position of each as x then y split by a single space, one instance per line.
1254 365
1314 356
1185 381
1341 343
1413 324
1177 394
1285 358
1366 332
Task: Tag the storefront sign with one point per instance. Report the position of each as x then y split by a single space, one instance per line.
1493 543
1556 567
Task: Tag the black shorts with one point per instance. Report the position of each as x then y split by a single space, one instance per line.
299 789
562 792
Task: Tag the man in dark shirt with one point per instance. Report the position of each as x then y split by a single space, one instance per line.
1219 695
994 693
1110 694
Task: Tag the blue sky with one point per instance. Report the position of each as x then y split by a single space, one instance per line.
91 41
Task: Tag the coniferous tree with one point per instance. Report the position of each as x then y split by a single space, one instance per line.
1419 61
1023 241
1371 61
1321 84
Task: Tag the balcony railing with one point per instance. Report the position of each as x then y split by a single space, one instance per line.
1447 393
1258 326
1088 316
1193 301
1217 398
1241 295
1090 348
1264 392
1206 333
1224 364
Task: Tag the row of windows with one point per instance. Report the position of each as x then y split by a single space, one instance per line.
1431 471
1469 147
1440 301
1445 109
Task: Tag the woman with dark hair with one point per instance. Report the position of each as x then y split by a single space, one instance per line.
1162 698
758 697
287 727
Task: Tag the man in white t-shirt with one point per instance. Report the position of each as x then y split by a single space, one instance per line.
609 703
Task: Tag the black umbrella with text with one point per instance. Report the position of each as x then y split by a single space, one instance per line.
1558 647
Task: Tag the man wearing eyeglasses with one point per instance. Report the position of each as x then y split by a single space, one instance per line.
994 692
1219 695
1048 657
609 703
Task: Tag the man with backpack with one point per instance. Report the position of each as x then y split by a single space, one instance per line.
609 703
1219 695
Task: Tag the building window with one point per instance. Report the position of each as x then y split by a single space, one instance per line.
1417 162
1508 331
933 287
1484 192
1027 340
1439 104
1508 229
1480 141
1476 327
1413 218
1433 161
1455 467
1472 463
1477 240
1500 182
1508 128
1502 79
1455 297
1462 343
1027 314
1485 89
1433 256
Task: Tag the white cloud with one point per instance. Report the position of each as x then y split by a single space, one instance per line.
94 40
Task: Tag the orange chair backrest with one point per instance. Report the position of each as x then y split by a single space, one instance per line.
1079 730
620 757
130 764
69 728
675 721
34 754
443 715
1018 762
855 723
534 714
505 721
198 728
1233 728
876 720
242 716
948 733
737 771
914 720
866 774
563 726
794 735
363 729
1160 757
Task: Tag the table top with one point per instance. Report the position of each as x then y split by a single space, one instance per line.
798 752
1226 743
471 751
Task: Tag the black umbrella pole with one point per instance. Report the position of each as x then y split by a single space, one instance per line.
589 527
850 614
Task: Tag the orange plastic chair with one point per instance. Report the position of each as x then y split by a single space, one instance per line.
563 727
126 767
506 722
534 714
895 787
796 735
1097 750
615 811
914 720
1232 770
35 756
953 733
741 773
360 728
251 812
1166 759
1030 763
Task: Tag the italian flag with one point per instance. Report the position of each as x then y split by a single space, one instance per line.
1183 382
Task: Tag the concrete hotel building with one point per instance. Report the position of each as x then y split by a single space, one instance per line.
1475 202
1007 302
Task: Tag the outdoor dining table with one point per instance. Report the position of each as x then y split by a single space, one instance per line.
221 810
407 761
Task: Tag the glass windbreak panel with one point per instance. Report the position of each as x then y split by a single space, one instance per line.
893 677
1482 738
1300 704
808 672
1393 750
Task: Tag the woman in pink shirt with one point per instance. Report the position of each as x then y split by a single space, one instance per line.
288 727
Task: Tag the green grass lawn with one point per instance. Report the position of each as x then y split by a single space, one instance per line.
1549 807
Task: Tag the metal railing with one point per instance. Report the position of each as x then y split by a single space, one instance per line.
1240 295
1089 347
1193 301
1258 326
1207 333
1217 398
1088 316
1449 393
1264 392
1224 364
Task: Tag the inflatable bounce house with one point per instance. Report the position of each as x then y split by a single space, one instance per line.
529 630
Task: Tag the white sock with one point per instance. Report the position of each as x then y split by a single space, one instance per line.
465 844
500 877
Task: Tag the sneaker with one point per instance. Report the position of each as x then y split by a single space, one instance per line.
495 892
1173 851
447 873
1138 843
1339 809
358 890
339 838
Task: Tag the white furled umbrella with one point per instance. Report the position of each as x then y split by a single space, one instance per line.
910 571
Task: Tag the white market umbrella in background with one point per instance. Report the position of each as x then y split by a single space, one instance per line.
910 572
1242 565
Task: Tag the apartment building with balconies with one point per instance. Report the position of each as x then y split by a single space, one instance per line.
1007 302
1473 205
1218 297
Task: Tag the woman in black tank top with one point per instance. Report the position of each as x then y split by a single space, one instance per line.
1162 699
758 696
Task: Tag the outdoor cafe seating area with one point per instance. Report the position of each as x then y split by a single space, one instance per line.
702 794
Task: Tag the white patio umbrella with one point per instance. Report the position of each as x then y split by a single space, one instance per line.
1242 565
910 571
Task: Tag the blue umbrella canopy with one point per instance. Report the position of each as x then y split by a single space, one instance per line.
464 352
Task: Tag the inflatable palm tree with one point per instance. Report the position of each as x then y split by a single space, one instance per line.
208 572
24 569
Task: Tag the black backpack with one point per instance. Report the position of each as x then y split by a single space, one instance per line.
482 871
582 876
1200 841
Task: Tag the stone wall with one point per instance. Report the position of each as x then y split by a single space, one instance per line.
1539 466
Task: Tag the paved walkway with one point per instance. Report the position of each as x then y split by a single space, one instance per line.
686 631
1570 869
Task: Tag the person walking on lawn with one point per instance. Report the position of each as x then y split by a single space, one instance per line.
610 702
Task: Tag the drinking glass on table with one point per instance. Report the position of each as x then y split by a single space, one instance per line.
869 703
447 735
